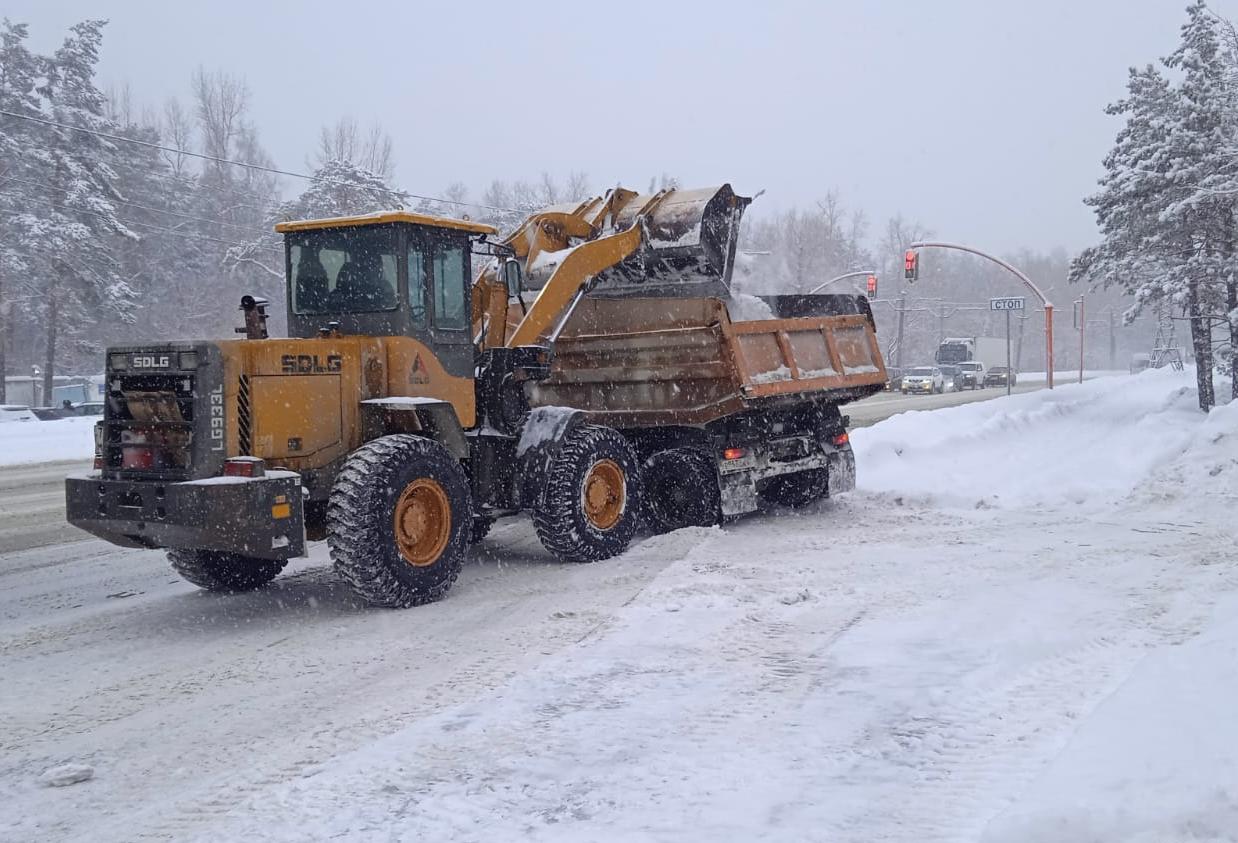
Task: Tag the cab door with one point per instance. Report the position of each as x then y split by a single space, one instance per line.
448 291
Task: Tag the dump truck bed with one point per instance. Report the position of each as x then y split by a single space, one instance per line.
657 361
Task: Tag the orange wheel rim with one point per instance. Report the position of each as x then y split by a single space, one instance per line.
604 494
422 522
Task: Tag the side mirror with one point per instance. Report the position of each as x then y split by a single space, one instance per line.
511 277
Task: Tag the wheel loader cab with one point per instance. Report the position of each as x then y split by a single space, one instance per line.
394 274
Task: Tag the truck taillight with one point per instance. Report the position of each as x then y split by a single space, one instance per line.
841 439
734 453
137 457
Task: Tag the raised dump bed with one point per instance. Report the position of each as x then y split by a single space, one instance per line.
657 361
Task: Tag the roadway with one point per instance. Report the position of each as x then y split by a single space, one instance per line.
32 496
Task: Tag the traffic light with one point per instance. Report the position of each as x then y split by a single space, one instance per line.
872 285
911 265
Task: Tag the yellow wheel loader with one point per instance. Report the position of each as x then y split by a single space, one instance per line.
591 375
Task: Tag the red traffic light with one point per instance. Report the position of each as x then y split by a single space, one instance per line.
872 285
911 265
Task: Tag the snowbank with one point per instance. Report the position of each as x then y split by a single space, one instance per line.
47 441
1086 445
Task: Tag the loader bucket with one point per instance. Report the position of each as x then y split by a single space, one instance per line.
688 250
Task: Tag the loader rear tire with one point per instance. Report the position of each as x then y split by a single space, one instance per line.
399 520
591 504
681 490
228 573
798 489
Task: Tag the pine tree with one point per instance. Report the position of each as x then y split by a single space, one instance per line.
1166 204
19 71
76 218
1199 221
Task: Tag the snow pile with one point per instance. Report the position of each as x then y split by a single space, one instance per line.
47 441
1087 444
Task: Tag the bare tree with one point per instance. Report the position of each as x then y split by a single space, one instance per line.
344 141
220 101
176 126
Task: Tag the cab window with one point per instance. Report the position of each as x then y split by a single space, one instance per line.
342 270
451 311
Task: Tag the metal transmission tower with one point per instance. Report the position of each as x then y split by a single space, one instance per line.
1165 350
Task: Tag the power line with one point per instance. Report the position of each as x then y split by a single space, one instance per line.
160 229
155 210
273 170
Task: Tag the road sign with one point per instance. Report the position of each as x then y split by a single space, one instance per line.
1008 303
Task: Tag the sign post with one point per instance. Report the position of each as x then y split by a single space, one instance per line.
1008 304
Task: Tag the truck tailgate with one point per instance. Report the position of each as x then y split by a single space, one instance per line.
780 356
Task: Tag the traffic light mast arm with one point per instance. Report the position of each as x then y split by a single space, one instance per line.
1031 285
842 277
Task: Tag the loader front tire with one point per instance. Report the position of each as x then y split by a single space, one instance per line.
591 503
398 521
681 490
228 573
798 489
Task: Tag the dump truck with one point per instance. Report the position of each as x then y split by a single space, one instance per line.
589 375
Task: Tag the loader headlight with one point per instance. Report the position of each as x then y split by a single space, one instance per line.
118 362
189 360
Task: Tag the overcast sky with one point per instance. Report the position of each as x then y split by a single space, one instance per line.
982 120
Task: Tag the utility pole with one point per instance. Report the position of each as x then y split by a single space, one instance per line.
1113 343
902 311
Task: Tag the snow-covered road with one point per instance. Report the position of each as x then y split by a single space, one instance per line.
1019 629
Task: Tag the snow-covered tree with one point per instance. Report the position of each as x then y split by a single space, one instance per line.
338 188
1166 202
71 224
19 73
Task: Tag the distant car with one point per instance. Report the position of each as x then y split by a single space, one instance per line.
89 408
973 374
16 413
926 379
894 377
1139 362
998 374
953 377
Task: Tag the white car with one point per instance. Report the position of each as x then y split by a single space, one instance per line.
973 374
923 379
16 413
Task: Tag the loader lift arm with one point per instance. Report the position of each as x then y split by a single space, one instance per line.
667 234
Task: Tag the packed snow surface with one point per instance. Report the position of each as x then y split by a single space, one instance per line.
46 441
1021 627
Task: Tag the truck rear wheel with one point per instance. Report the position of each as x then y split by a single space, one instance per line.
681 490
590 506
215 570
399 520
798 489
